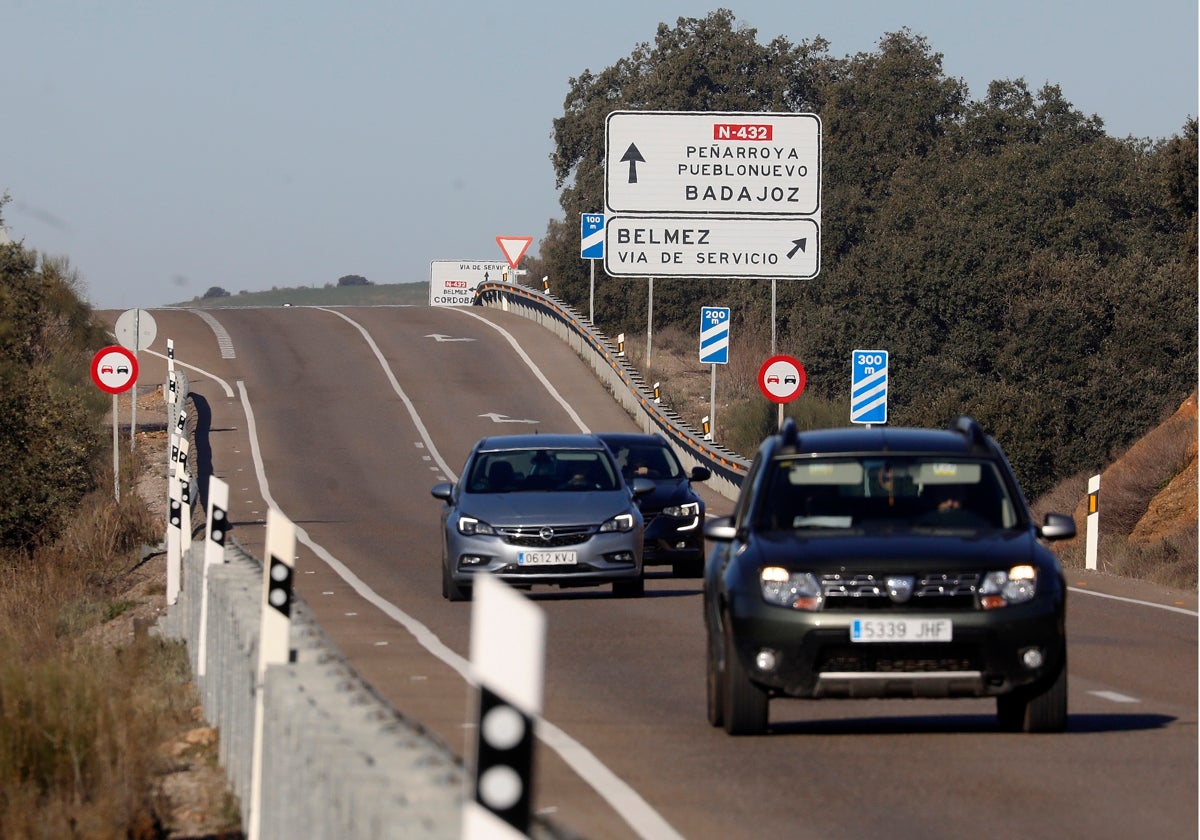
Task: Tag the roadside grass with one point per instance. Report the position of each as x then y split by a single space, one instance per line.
81 721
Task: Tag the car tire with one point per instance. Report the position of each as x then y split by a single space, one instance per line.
716 681
1041 710
452 591
745 705
632 588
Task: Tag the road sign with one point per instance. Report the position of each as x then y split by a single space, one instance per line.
680 246
591 236
135 329
868 386
781 379
714 335
733 162
514 247
114 369
453 282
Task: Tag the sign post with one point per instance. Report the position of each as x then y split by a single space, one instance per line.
114 370
781 379
714 349
591 248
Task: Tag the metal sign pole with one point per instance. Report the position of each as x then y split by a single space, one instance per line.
137 345
592 294
649 321
116 446
712 404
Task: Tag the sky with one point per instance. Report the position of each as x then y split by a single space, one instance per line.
165 148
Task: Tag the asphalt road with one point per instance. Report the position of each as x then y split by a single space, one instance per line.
345 418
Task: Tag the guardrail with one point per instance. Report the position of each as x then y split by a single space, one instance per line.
622 379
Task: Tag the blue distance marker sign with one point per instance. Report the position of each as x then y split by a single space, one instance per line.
868 386
591 236
714 335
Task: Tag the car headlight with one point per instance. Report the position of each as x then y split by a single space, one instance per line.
473 527
798 590
622 523
681 511
1015 586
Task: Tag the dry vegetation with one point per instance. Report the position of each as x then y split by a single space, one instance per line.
100 729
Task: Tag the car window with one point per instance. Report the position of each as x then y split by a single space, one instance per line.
653 461
541 470
888 492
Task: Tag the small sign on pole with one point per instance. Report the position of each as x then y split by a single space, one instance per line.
1092 549
868 386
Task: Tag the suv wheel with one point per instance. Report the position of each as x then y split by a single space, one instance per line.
1042 710
716 681
744 706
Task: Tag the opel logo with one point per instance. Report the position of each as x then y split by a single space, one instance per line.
900 588
546 534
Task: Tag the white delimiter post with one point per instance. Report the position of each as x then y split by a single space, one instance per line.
508 643
273 640
214 554
1093 522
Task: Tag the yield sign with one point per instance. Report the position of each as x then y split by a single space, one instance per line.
514 247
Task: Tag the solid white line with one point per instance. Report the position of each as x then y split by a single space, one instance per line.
626 801
1166 607
213 376
1114 697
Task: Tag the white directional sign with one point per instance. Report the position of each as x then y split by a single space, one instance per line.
685 162
639 246
868 386
453 282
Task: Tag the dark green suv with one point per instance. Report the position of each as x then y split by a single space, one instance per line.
885 562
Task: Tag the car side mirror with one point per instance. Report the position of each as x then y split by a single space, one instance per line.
720 529
1058 526
701 474
442 491
642 486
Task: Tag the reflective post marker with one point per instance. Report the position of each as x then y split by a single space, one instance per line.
508 642
1093 523
214 554
274 637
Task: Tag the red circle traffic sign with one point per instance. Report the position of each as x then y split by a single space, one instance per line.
114 369
781 379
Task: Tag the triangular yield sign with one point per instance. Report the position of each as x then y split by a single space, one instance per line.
514 247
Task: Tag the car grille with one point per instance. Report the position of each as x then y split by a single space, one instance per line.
546 537
895 659
931 590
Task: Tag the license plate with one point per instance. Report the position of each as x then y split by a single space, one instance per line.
546 558
901 630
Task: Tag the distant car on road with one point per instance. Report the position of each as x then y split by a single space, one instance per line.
885 562
674 511
542 509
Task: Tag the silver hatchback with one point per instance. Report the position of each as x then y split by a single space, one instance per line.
542 509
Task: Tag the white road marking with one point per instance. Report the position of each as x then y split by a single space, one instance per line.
1114 697
626 801
210 375
1166 607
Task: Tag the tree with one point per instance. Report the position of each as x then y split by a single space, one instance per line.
215 292
353 280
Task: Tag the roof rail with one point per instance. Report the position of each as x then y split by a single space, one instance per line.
971 430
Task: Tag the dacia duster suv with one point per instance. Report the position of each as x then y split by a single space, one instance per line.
885 562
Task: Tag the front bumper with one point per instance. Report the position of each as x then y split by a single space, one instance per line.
811 654
602 558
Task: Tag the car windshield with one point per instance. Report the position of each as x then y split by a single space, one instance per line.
885 493
541 470
653 461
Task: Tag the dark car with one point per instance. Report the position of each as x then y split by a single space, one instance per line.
674 512
542 509
885 562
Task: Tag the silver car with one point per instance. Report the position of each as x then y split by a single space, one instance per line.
542 509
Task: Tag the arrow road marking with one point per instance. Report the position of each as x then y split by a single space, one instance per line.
504 418
439 338
800 246
634 157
